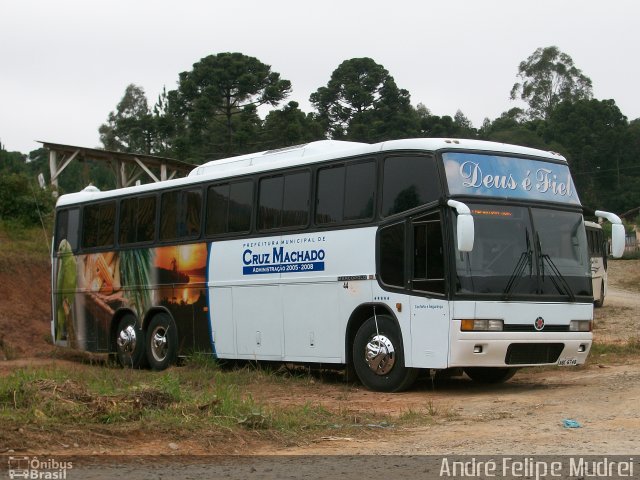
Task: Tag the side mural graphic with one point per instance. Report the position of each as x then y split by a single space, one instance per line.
91 288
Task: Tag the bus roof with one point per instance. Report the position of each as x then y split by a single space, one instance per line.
306 154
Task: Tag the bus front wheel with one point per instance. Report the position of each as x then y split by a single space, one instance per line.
162 342
378 356
490 374
130 342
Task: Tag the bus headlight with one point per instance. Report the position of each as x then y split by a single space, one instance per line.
481 325
580 326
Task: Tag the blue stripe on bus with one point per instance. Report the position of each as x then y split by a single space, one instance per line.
209 311
284 268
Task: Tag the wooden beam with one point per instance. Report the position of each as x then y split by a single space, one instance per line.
144 167
64 165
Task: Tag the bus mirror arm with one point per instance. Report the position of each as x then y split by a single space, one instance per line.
617 232
465 229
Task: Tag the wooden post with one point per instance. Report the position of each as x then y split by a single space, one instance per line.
53 169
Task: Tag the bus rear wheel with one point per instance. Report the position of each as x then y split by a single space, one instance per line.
378 356
129 342
488 375
162 342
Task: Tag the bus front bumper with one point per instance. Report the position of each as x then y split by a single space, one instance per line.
518 349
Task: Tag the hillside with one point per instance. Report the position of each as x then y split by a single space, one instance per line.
25 302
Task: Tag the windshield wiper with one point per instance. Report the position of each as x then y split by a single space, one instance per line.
556 278
516 275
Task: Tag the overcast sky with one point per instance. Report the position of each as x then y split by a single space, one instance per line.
65 64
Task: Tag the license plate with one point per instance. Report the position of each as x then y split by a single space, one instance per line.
567 362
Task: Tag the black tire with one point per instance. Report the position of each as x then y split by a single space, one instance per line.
488 375
389 374
162 342
129 342
600 302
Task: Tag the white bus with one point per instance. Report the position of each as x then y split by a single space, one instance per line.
598 252
390 258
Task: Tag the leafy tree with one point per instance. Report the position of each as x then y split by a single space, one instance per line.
362 102
218 89
549 77
290 126
596 137
130 128
463 125
21 198
434 126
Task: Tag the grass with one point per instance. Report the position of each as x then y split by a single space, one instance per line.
631 347
193 400
20 243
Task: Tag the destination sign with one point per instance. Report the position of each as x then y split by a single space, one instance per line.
508 177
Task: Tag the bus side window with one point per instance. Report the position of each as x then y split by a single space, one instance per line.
98 225
392 255
67 223
229 208
330 195
284 201
137 220
346 193
428 258
408 182
180 214
360 187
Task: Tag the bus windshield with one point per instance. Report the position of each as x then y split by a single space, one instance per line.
525 251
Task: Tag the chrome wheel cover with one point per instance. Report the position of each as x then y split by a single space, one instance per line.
159 344
127 340
380 354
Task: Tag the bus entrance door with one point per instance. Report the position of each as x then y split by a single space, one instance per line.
429 308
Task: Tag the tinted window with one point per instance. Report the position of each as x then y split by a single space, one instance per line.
295 204
284 201
180 214
346 193
361 185
330 195
270 203
137 220
98 225
428 267
392 255
240 206
217 209
229 208
408 182
67 228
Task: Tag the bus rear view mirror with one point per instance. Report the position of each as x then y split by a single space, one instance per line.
466 229
617 232
617 240
466 233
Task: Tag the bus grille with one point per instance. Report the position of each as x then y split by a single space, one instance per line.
510 327
533 353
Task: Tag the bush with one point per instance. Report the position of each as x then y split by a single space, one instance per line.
23 201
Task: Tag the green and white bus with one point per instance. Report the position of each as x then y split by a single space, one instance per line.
390 257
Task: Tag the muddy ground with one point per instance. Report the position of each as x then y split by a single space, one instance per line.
523 416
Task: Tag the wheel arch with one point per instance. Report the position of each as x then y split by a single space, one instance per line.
152 312
358 317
